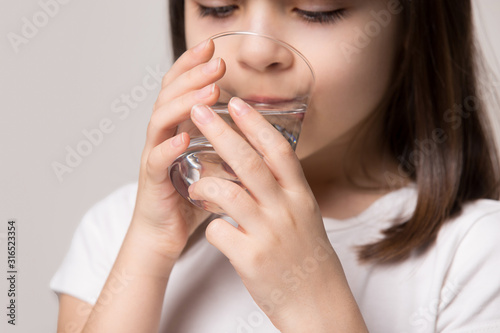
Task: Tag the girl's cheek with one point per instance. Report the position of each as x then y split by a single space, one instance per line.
348 89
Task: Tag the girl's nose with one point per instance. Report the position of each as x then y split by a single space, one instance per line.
264 55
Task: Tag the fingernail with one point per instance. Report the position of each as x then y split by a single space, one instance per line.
205 92
177 141
202 114
240 108
200 47
212 66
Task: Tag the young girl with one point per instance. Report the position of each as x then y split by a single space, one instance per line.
384 220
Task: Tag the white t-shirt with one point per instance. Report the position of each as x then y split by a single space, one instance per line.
454 287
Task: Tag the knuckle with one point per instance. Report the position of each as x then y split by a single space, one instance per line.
190 76
154 120
253 165
284 149
165 81
162 98
233 167
309 204
213 229
156 158
258 259
151 164
164 151
155 124
219 133
233 192
144 157
186 101
305 202
244 148
152 128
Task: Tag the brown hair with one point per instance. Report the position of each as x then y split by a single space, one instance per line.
435 121
177 33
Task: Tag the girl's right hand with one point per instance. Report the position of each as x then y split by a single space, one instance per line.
166 217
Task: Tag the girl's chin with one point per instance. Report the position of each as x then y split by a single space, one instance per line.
304 151
316 150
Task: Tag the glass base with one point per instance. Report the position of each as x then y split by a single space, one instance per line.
189 167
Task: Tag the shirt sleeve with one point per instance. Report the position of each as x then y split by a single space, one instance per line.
94 246
470 297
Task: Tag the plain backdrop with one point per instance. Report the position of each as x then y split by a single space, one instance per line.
59 85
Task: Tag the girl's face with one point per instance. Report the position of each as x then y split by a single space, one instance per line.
351 45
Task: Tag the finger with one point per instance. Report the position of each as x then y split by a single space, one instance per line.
197 55
193 57
225 237
237 153
229 196
276 150
195 78
163 122
163 155
176 100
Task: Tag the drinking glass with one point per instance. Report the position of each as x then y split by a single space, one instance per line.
270 75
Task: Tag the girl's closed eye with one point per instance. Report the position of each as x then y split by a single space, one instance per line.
325 17
331 16
219 12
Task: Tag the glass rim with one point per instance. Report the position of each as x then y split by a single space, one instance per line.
280 42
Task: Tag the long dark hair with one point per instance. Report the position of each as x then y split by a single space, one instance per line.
177 33
435 122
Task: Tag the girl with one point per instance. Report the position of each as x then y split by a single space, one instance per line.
384 220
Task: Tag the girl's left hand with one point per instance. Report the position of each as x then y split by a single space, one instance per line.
280 248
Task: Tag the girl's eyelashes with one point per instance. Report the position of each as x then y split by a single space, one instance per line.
217 12
321 17
325 17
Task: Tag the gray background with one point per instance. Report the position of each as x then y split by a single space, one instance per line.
61 82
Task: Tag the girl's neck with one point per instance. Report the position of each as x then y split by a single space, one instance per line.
345 182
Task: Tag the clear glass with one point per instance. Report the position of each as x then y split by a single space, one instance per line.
270 75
